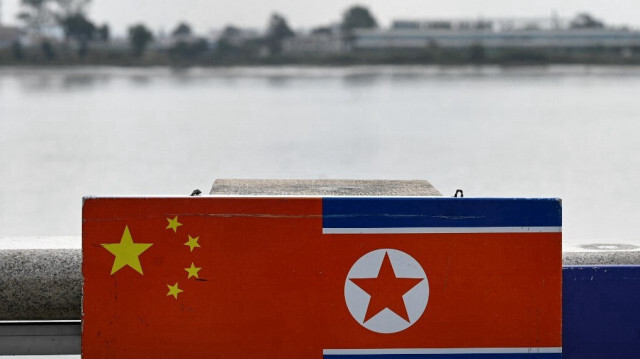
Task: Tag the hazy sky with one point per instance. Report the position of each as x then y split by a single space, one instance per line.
205 15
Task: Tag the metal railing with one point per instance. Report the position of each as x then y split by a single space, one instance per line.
40 337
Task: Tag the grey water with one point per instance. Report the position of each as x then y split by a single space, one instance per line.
559 131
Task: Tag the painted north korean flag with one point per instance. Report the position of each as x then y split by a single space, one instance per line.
220 277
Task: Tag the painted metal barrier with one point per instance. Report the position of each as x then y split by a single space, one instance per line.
333 276
601 319
40 337
601 309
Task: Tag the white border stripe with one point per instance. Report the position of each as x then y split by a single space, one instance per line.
399 230
550 350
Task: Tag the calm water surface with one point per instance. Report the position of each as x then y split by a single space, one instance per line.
570 132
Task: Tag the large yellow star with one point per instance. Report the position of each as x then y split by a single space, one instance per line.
174 290
193 271
192 243
173 224
126 252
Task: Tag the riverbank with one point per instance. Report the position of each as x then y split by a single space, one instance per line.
476 55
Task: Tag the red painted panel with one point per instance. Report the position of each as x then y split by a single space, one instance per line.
270 284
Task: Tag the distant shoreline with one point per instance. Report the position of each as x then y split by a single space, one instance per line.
438 57
312 65
326 72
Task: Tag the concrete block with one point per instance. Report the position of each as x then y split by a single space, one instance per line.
40 284
600 254
268 187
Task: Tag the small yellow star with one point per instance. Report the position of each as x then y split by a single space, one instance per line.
126 252
174 290
192 243
173 224
193 271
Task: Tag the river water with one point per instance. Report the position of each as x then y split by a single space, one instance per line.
560 131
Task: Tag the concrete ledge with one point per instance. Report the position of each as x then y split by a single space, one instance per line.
46 284
43 279
330 187
601 258
40 284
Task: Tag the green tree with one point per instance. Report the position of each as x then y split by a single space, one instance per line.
103 33
47 50
321 30
139 38
586 21
16 50
183 29
38 15
358 17
277 30
78 27
188 51
71 7
230 31
42 16
75 24
187 47
236 45
228 42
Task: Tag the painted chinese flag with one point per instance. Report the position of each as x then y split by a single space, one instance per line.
208 277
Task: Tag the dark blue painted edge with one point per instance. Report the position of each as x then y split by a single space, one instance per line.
356 212
601 312
449 356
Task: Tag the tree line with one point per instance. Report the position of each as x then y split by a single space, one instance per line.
87 42
41 18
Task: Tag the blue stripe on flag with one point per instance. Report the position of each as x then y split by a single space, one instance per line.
440 212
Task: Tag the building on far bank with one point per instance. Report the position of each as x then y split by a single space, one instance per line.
503 33
571 38
314 44
327 41
493 24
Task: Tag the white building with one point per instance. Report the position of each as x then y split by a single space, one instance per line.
576 38
502 33
314 44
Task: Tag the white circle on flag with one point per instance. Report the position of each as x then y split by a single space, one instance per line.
382 319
